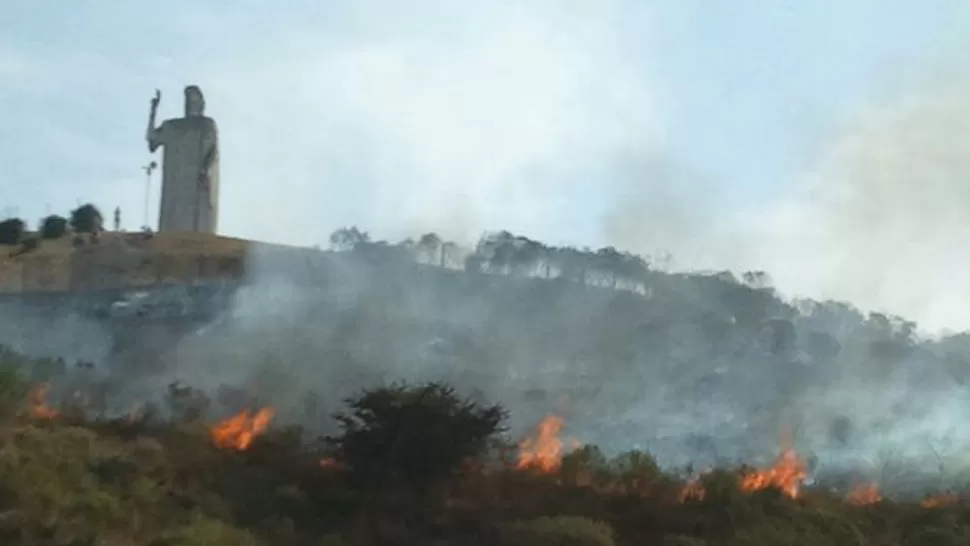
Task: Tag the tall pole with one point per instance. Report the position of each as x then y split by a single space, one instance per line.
148 188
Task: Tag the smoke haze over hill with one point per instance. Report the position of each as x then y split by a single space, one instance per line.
641 125
698 370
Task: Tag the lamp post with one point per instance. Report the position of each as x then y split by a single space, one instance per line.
148 187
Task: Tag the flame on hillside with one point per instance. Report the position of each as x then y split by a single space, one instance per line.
692 491
864 494
37 406
939 501
543 451
239 431
787 474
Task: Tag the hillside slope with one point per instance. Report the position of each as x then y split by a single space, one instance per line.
698 369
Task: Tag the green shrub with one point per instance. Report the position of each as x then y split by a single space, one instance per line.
412 436
584 466
636 471
53 227
11 231
556 531
86 219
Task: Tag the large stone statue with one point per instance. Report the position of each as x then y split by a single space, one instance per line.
190 166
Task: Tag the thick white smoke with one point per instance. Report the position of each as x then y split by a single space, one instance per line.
882 220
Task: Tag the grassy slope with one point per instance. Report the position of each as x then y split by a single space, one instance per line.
120 258
74 482
67 482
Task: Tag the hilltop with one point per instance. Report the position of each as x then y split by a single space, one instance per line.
121 259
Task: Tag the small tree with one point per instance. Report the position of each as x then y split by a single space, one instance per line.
413 437
53 227
11 231
429 243
86 219
348 238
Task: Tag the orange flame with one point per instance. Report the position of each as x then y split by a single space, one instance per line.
239 431
692 491
544 452
939 501
787 474
37 406
864 494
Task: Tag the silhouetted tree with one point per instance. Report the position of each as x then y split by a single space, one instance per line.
527 255
53 227
383 252
86 219
610 262
497 250
547 258
574 264
348 238
11 231
413 437
636 269
447 249
756 279
429 245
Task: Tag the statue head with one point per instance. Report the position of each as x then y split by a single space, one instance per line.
194 102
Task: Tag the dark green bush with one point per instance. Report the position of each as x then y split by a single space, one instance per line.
53 227
11 231
412 436
86 219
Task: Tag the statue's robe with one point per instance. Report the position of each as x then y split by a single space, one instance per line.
187 203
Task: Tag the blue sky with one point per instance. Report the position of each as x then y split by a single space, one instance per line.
695 126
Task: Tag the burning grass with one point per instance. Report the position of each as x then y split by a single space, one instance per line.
544 451
786 475
37 405
239 481
864 494
239 431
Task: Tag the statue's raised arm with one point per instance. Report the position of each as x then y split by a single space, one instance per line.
151 135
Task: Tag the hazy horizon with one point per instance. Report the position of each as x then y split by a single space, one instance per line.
823 143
